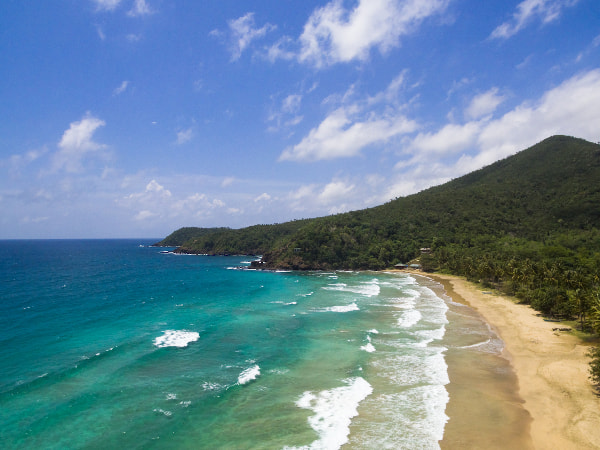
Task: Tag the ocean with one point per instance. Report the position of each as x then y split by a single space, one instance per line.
115 344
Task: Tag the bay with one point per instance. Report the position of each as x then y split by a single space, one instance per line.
114 344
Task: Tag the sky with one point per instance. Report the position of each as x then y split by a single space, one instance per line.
133 118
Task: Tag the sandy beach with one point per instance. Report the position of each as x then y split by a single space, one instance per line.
552 404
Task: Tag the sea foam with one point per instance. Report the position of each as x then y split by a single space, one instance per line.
409 318
176 338
342 308
366 288
334 410
368 347
248 375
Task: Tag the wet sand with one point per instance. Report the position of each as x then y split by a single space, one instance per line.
536 394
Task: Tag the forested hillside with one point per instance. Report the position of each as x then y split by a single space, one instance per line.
179 237
528 225
254 240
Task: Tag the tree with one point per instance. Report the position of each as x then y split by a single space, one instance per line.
594 353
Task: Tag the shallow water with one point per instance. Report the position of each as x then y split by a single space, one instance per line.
114 344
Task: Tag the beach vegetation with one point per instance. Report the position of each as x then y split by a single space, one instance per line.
594 354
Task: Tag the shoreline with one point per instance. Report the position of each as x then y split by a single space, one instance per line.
554 405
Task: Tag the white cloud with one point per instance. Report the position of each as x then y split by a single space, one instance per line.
291 103
354 126
390 94
572 108
527 11
228 181
285 114
152 199
76 143
450 139
106 5
339 195
155 188
158 205
122 88
243 31
484 104
264 197
17 162
334 34
145 215
184 136
140 8
279 50
342 135
335 192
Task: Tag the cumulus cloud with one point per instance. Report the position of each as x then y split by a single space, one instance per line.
334 34
339 135
242 32
354 126
77 143
332 198
150 203
157 204
528 11
155 188
484 104
335 192
571 108
450 139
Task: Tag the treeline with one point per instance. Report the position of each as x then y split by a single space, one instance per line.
559 277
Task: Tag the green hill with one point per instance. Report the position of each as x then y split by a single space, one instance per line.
527 225
185 234
546 190
540 207
254 240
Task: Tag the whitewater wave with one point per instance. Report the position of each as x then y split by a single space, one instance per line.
248 375
409 318
341 308
367 288
368 347
176 338
334 410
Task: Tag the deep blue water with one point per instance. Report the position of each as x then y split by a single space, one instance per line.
113 344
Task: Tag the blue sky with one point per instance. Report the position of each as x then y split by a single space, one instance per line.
132 118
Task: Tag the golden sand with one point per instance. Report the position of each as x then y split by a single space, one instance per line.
551 403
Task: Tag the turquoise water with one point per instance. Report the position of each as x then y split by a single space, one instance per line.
113 344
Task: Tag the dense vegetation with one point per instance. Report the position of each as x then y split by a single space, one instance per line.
185 234
527 225
254 240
